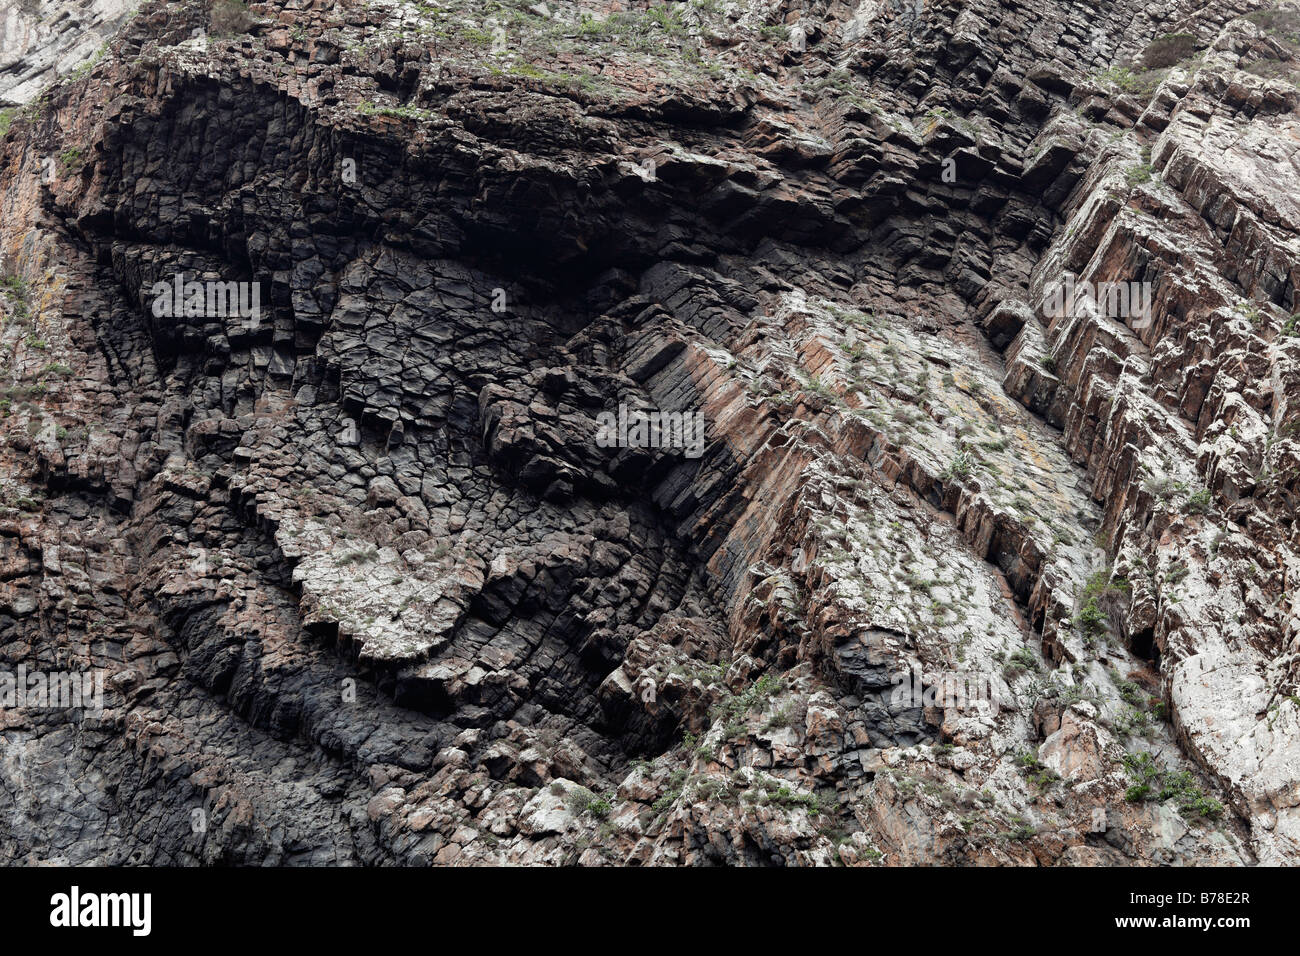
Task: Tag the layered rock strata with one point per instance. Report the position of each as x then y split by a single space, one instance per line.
363 584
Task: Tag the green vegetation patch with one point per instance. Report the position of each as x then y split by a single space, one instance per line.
1152 782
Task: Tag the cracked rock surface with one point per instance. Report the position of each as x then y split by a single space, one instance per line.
362 584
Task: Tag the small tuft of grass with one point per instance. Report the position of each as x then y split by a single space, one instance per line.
1154 782
1139 174
1168 50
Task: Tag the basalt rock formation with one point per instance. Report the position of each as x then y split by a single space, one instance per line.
42 41
362 584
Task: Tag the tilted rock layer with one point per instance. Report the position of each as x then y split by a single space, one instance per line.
42 40
365 587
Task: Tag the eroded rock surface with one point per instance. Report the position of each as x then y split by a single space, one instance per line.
363 584
44 40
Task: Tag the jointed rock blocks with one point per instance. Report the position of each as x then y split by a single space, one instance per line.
368 589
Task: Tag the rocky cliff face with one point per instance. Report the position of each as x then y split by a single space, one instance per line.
366 584
42 41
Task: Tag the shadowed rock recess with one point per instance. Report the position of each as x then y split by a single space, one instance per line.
362 583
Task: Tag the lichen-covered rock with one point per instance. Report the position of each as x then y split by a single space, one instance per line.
373 572
43 40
